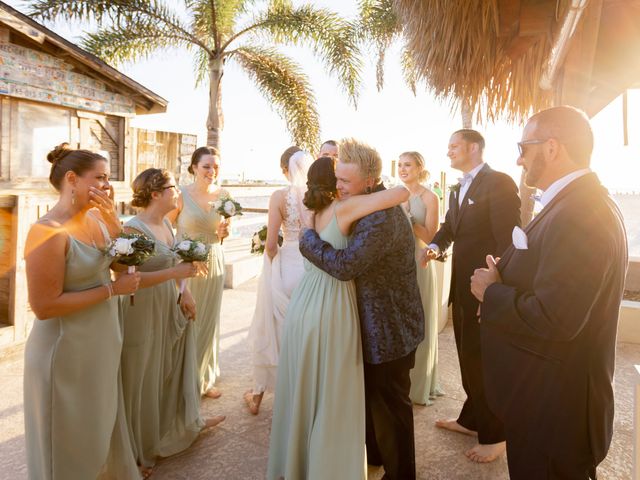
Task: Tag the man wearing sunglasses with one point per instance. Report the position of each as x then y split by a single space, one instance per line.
549 312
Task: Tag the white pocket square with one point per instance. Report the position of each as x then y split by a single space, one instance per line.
519 239
471 202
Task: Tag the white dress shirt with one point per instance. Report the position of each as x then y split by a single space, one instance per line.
469 177
465 183
557 186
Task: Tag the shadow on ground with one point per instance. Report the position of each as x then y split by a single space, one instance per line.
238 448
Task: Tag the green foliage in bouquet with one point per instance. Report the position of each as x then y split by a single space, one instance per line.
227 206
191 250
131 249
259 240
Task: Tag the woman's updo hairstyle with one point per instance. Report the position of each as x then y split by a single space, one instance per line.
419 159
286 156
198 154
148 181
321 184
63 158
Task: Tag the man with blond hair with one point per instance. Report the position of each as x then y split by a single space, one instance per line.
380 258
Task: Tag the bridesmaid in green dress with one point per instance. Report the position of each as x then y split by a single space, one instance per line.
73 352
423 210
195 218
318 426
159 370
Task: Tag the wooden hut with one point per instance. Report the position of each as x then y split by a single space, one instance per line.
53 91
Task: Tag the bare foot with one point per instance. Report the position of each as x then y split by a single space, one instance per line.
145 472
213 421
253 401
486 453
454 426
213 392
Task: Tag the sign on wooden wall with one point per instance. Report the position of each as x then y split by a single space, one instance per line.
37 76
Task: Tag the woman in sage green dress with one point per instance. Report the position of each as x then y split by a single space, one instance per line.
195 218
318 425
423 210
159 369
73 351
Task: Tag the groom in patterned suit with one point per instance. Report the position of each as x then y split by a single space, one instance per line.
380 258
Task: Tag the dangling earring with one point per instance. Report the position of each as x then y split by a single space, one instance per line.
73 197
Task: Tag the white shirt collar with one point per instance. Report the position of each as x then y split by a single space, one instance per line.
476 170
557 186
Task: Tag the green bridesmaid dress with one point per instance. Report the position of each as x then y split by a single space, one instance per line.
159 369
424 375
196 223
318 425
71 378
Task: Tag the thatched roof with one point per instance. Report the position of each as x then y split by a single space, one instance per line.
493 53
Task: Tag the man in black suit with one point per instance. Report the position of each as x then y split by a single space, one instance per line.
483 209
550 309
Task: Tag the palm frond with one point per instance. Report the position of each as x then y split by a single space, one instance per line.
282 82
331 38
201 67
116 45
120 13
378 25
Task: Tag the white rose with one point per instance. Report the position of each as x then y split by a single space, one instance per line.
230 208
200 248
112 251
184 245
256 239
217 204
122 246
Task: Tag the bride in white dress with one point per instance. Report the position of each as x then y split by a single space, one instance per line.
281 272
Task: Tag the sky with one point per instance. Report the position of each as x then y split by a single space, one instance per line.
392 121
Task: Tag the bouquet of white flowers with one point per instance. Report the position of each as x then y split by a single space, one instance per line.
227 207
190 250
259 240
132 250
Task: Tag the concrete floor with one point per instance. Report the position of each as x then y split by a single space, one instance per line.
238 448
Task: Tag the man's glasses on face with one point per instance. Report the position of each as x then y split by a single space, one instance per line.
528 142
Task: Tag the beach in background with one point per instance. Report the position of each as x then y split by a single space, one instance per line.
258 197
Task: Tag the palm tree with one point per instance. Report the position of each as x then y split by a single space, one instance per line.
217 31
379 26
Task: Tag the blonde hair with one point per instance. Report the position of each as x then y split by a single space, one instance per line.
419 159
365 157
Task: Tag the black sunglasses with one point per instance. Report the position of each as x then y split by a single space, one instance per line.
528 142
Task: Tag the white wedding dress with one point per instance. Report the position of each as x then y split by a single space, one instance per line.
277 281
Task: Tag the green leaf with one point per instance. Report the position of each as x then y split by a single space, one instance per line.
330 37
284 85
117 45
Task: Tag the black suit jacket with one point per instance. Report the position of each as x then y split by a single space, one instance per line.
549 330
481 226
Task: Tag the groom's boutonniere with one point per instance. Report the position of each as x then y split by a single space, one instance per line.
454 188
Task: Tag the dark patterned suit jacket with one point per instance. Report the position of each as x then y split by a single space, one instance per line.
381 259
549 329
